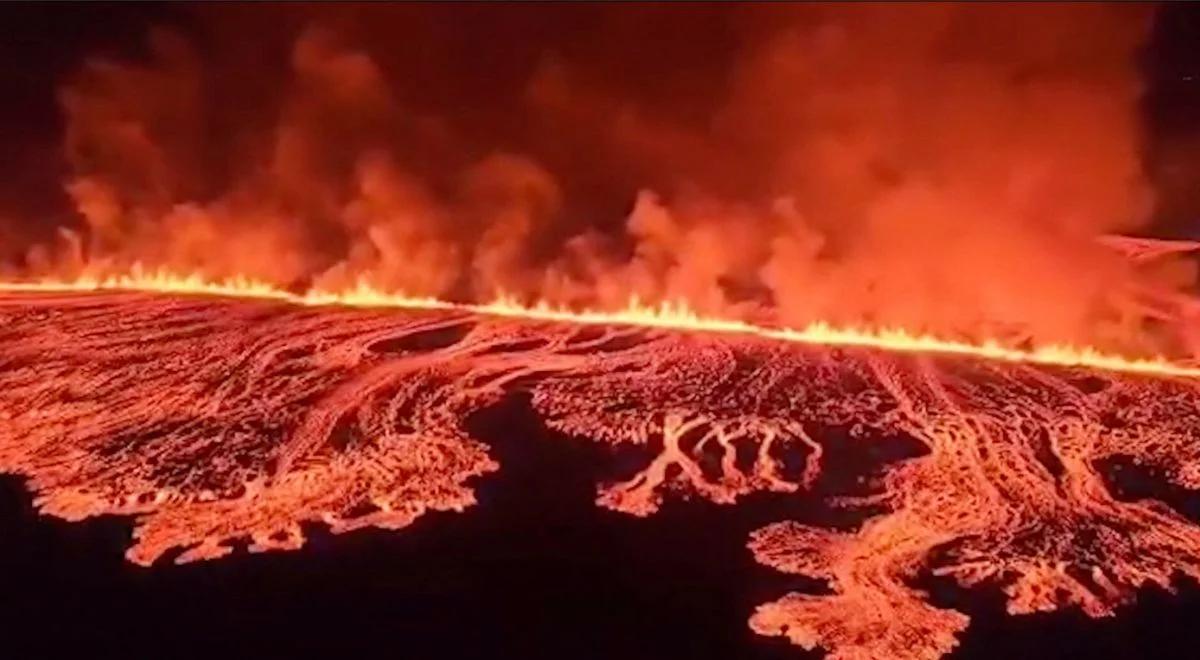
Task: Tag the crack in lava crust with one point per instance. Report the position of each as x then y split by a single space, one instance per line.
215 420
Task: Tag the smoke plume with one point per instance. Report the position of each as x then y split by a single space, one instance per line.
943 167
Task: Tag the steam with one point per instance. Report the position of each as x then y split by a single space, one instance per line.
944 168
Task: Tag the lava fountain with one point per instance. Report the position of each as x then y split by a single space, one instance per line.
219 419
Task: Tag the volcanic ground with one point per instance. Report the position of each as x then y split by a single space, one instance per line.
224 423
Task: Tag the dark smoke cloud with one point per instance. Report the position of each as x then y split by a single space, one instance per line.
941 167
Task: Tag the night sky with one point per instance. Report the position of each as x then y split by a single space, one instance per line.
1172 106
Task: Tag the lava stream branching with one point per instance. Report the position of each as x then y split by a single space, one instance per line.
217 420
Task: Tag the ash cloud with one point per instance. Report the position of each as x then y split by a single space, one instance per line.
942 167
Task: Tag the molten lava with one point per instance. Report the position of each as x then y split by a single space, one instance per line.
677 316
220 418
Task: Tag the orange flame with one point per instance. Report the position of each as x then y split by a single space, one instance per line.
673 315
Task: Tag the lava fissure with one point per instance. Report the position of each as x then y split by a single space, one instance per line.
674 316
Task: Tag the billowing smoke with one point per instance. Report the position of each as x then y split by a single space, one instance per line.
942 167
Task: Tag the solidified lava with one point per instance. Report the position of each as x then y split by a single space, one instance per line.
217 421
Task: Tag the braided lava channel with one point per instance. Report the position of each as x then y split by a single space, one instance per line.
216 421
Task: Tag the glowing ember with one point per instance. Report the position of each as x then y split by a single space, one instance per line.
215 420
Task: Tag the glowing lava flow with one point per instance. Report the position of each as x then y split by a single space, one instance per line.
219 420
676 316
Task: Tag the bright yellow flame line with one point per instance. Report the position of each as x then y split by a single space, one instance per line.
666 315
